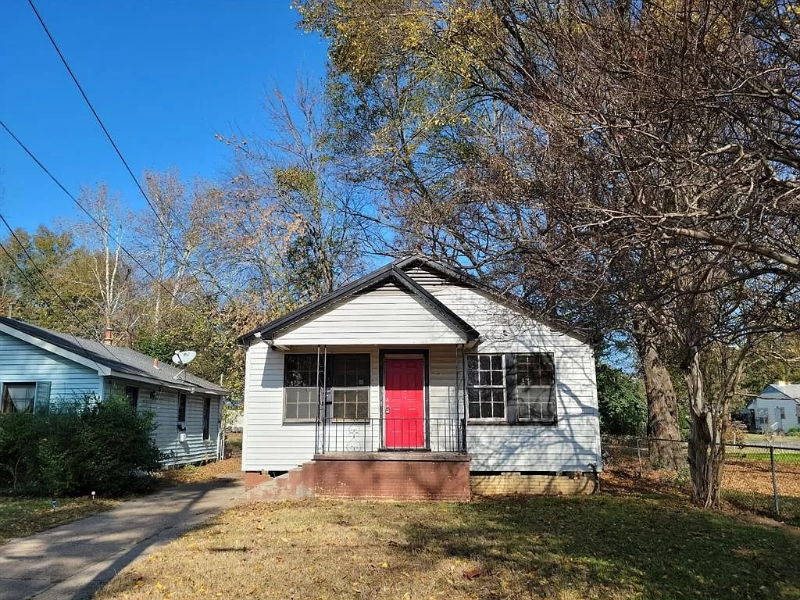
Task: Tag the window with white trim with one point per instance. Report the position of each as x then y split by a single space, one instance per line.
347 380
206 419
350 380
132 394
486 390
182 408
301 376
511 388
534 388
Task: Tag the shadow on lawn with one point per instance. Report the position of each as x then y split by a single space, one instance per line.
601 547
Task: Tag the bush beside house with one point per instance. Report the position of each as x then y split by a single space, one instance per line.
107 448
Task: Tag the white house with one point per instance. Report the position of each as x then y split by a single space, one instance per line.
41 368
410 379
777 407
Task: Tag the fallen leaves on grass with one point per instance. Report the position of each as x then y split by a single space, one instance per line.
567 548
202 473
20 517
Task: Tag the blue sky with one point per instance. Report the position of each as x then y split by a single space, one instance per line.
164 76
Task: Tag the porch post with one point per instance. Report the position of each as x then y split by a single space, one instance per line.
464 396
317 449
324 394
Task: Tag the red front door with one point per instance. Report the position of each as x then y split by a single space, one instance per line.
404 403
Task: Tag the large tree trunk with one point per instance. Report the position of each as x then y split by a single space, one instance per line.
706 450
662 404
710 411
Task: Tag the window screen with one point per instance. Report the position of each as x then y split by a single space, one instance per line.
534 392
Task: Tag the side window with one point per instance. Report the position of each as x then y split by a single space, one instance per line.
486 388
300 378
132 394
19 397
534 394
206 418
182 408
512 388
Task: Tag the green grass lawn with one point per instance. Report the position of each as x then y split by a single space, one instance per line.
782 456
25 516
759 438
647 546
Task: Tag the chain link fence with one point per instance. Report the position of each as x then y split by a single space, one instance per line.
762 477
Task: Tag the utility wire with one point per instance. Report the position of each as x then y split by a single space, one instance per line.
96 222
47 302
50 285
38 270
113 143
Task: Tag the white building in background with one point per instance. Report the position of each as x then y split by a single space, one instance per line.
776 408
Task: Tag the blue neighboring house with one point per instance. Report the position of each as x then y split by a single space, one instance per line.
41 369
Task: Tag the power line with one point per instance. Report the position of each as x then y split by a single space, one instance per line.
38 270
44 300
96 222
113 143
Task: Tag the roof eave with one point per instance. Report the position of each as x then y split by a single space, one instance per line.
101 369
178 385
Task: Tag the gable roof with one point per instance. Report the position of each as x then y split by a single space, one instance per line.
790 390
116 360
394 272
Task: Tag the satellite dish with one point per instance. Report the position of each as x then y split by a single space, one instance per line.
184 357
775 426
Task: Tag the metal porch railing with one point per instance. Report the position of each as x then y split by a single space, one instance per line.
437 434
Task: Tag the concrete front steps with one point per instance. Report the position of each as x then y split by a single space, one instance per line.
292 485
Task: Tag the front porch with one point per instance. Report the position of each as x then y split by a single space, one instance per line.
391 475
385 438
408 441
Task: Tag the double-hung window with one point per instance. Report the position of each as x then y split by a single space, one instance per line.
182 409
349 378
486 389
301 376
511 388
132 394
534 394
347 381
206 419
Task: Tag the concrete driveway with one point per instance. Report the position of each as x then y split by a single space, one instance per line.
74 560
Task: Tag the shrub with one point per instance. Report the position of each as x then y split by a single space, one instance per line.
622 404
106 447
794 431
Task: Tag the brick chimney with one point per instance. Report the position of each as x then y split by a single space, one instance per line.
109 339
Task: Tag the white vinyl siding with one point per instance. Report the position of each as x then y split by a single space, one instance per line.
387 315
574 442
69 381
269 444
374 321
768 405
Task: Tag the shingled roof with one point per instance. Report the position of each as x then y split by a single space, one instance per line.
120 361
395 272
